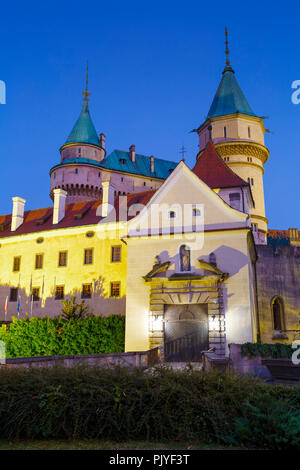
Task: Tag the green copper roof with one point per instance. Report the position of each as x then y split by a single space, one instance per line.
84 130
229 98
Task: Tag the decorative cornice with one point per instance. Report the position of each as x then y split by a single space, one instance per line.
243 148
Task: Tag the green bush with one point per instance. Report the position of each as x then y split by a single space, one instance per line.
54 336
118 404
276 350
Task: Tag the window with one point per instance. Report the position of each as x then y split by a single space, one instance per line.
254 227
115 289
172 214
39 261
76 171
144 183
35 294
252 182
86 291
122 179
278 314
225 132
62 258
17 263
59 292
79 151
88 256
235 200
13 296
115 254
249 132
196 212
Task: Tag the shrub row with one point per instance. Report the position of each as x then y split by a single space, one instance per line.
276 350
54 336
162 404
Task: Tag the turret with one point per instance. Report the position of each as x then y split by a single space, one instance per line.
238 135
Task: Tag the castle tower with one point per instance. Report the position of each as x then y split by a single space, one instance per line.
238 136
78 171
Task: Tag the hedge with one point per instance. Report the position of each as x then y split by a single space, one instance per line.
275 350
54 336
160 404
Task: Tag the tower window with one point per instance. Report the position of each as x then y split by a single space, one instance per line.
172 214
235 200
185 258
225 132
76 171
79 151
252 182
278 314
249 132
122 179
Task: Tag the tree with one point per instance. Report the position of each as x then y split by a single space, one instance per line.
71 309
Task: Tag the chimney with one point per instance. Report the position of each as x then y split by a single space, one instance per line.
102 140
59 205
17 213
107 198
132 153
152 164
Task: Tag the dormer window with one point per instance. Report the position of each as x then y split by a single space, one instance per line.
235 200
123 160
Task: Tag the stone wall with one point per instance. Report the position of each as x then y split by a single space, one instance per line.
129 359
278 275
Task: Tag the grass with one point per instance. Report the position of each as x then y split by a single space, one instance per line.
94 444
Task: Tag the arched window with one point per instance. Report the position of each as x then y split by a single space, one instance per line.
185 258
278 313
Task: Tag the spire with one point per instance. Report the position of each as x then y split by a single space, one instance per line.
84 130
229 98
85 92
226 48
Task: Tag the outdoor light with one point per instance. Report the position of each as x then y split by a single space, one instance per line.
156 322
214 323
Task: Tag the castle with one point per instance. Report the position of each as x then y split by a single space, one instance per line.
180 251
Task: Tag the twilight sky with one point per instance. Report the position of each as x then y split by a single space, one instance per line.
154 69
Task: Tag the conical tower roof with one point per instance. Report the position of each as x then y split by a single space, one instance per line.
84 130
229 98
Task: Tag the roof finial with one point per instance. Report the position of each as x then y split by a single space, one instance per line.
85 92
226 48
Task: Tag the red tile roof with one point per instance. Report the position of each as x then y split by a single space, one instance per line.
76 215
211 169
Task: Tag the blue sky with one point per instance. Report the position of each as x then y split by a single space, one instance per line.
154 69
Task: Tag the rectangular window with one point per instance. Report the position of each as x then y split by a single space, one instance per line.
115 254
62 258
115 289
86 291
59 292
35 294
17 263
88 256
225 133
249 132
235 200
39 261
13 297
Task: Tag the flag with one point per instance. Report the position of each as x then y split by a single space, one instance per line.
18 306
5 307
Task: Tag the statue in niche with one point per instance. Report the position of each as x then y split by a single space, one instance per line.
185 258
